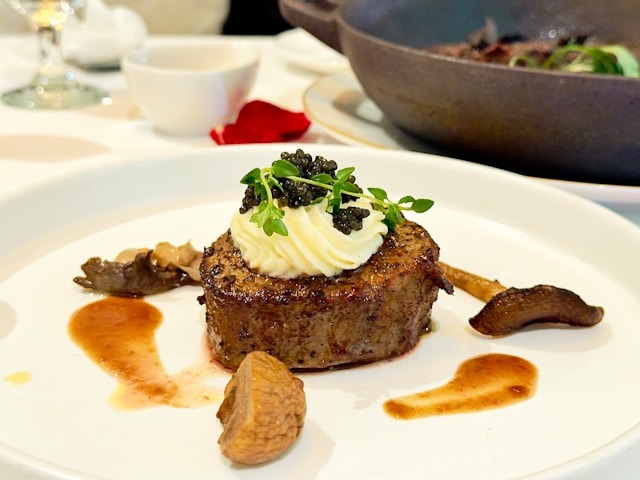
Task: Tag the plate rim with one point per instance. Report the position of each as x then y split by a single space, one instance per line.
602 455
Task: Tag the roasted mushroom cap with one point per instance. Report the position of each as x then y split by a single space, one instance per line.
262 412
515 308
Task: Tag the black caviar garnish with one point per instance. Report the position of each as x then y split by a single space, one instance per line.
349 219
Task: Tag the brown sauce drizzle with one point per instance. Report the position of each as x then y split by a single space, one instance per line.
118 334
480 383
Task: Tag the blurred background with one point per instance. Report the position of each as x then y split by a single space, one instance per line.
199 17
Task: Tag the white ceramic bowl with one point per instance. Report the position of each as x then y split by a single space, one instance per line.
190 88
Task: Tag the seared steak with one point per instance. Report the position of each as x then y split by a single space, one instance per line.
377 311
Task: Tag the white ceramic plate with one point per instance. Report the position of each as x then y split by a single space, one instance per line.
583 420
338 104
307 52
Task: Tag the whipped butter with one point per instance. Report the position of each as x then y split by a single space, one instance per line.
313 246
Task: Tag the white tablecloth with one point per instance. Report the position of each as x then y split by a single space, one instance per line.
36 146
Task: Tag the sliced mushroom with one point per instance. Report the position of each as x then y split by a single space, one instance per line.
141 272
262 412
508 310
515 308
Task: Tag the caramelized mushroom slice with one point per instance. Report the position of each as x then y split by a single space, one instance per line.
480 287
515 308
138 272
511 309
137 278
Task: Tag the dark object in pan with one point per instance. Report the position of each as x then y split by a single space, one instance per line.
581 127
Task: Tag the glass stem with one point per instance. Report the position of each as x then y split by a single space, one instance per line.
52 68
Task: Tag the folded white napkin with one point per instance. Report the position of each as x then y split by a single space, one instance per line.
104 35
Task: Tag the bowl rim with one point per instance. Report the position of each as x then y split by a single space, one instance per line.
137 59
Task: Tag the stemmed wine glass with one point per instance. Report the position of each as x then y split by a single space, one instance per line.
54 86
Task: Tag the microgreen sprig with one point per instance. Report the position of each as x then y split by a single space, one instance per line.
269 216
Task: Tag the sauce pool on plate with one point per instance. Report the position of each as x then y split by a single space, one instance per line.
118 334
480 383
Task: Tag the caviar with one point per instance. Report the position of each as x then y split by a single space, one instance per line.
249 200
296 194
348 219
293 194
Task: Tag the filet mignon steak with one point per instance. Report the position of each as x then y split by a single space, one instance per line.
377 311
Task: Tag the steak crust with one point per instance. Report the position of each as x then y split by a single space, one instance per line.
377 311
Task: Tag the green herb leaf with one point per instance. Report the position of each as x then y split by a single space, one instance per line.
260 216
407 199
323 178
421 205
344 174
251 177
269 218
348 187
378 193
275 225
284 168
393 216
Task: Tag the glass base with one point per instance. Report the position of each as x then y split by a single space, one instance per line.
55 96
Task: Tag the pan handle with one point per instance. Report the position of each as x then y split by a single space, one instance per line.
318 17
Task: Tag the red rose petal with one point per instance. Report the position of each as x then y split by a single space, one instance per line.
262 122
